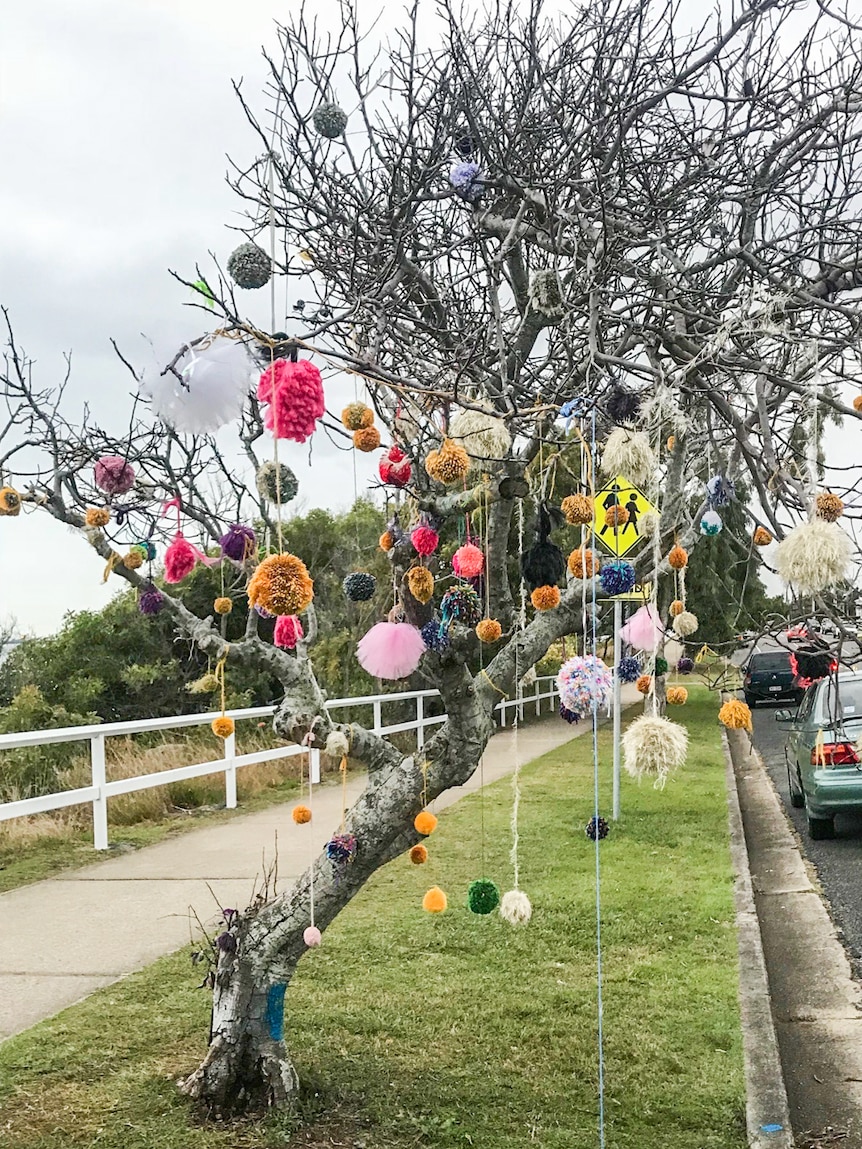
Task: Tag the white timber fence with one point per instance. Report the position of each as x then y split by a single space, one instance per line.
100 789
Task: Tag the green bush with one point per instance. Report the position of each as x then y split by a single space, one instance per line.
27 772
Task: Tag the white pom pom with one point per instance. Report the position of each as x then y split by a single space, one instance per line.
653 747
814 556
685 623
515 908
337 744
629 454
482 435
216 380
648 524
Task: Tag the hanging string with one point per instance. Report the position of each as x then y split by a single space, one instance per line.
271 212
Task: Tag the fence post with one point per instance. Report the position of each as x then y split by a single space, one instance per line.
538 698
230 772
502 713
313 765
520 702
420 721
378 718
100 802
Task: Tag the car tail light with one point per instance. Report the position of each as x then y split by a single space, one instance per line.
835 754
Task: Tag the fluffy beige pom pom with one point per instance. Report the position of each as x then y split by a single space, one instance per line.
814 556
653 747
629 454
685 623
482 435
515 908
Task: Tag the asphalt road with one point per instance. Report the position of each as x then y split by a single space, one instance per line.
838 862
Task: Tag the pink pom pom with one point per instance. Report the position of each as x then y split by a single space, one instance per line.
468 561
114 475
391 650
180 558
288 631
642 630
395 468
311 937
424 539
294 392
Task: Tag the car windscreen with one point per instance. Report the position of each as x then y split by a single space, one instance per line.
777 661
841 702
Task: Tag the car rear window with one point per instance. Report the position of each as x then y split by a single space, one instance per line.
847 704
778 661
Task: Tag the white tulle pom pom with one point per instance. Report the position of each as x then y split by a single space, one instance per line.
214 384
814 556
515 908
653 747
629 454
337 745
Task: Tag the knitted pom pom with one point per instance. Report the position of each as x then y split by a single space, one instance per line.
10 502
359 586
276 483
676 607
390 650
711 523
676 696
95 517
653 747
597 829
424 539
828 507
483 436
249 266
460 604
435 636
448 464
483 897
720 490
387 541
545 597
281 585
329 120
356 416
419 855
150 600
239 543
468 561
293 393
223 605
180 558
222 726
578 509
616 516
341 849
762 537
311 936
677 558
366 439
643 629
582 564
644 684
623 405
134 559
467 180
617 577
114 475
488 630
546 293
685 624
435 901
736 715
288 631
857 403
660 667
813 556
515 908
628 668
628 453
425 823
301 814
394 468
584 684
685 665
420 582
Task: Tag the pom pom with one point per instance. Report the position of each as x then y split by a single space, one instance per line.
578 510
276 483
468 181
676 696
489 630
288 631
239 543
394 468
685 665
468 561
114 475
568 715
515 908
616 516
623 405
337 744
387 541
617 577
661 666
425 823
582 564
483 436
294 394
311 936
341 849
357 416
720 490
711 523
249 266
213 386
223 605
281 585
460 604
329 120
584 683
134 559
762 537
671 442
857 403
390 650
435 636
676 607
421 583
424 539
543 564
644 683
546 293
95 517
301 814
366 439
597 829
483 897
678 558
10 502
206 684
685 624
222 726
628 453
359 586
150 600
649 523
628 668
814 555
448 464
180 558
810 665
435 901
146 550
545 597
653 747
419 855
828 507
736 715
642 630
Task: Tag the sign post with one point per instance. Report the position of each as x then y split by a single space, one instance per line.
618 643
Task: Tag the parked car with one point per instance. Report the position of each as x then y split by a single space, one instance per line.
769 676
798 633
824 773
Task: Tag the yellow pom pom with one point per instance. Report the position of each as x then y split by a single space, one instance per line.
301 814
644 683
449 464
133 559
10 502
676 607
435 901
223 605
386 541
857 403
545 597
421 583
762 537
357 416
678 557
828 506
582 564
578 509
489 630
281 585
97 517
223 726
425 823
366 439
419 855
736 715
676 695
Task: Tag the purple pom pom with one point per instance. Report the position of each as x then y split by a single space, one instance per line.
151 600
239 543
467 180
685 665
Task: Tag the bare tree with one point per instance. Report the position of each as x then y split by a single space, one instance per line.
670 212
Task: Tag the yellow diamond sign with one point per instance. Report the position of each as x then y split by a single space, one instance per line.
618 510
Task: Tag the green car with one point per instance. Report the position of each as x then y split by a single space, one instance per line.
823 764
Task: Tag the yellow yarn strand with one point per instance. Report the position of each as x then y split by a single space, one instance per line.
112 562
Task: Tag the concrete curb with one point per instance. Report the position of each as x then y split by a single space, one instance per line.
767 1113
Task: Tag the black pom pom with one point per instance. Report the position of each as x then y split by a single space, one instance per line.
466 146
813 664
359 586
622 405
543 565
596 828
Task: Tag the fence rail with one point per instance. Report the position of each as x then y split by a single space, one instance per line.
100 789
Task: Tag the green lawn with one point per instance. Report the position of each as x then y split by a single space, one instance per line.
413 1030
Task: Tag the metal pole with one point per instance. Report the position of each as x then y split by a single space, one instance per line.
100 802
618 621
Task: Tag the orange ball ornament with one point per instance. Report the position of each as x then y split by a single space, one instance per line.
435 901
671 442
616 516
676 695
828 507
357 416
762 537
582 564
857 403
10 502
421 583
366 439
678 557
97 517
222 726
489 630
425 823
223 605
578 509
449 463
301 814
644 683
676 607
545 597
386 541
736 715
281 585
419 855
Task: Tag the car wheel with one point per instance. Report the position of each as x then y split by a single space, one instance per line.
820 828
750 700
797 798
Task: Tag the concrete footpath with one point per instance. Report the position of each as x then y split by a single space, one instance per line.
68 936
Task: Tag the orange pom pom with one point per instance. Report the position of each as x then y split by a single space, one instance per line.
857 403
736 715
357 416
421 583
678 557
676 607
489 630
419 855
97 517
425 823
133 559
762 537
449 464
644 683
676 695
386 541
301 814
578 509
828 506
671 442
281 585
223 605
582 564
616 516
10 502
223 726
545 597
435 901
366 439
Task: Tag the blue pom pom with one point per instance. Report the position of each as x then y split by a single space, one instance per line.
629 668
460 604
597 828
466 178
569 715
617 577
359 586
720 490
435 636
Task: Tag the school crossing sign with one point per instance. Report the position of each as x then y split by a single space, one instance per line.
617 511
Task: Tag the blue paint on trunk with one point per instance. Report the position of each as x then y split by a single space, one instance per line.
275 1011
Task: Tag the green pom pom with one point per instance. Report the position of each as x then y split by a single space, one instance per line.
483 897
661 666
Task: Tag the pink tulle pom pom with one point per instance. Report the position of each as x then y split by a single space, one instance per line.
642 630
180 558
468 561
294 392
424 539
288 631
394 468
114 475
391 650
311 937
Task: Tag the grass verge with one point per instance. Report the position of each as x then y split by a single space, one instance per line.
412 1030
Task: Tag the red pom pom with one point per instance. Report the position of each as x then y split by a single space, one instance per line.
288 631
180 558
468 561
294 392
424 539
395 468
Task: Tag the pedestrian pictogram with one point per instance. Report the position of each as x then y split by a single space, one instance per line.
619 508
